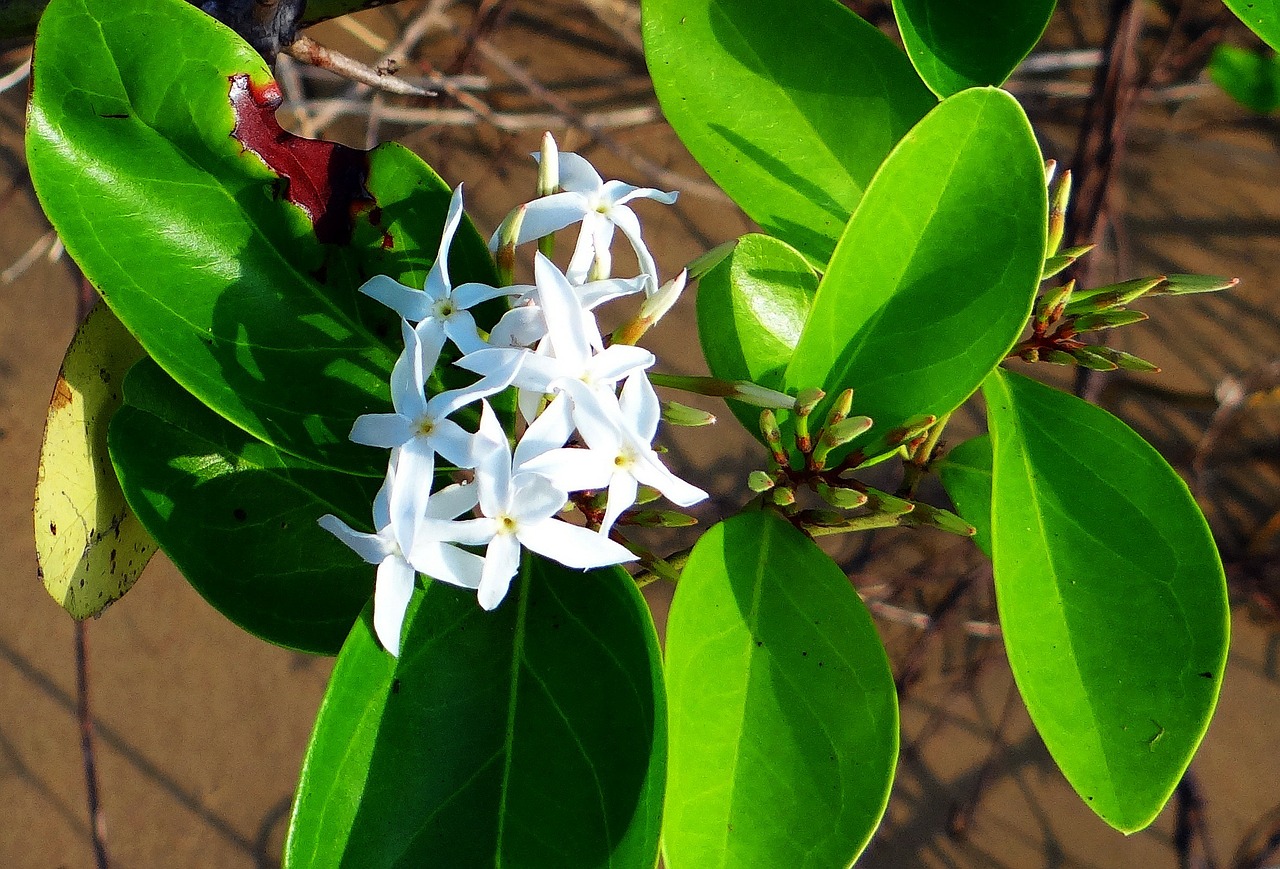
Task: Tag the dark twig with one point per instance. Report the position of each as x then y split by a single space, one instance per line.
1190 827
97 819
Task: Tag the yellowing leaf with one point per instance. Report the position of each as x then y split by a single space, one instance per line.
89 544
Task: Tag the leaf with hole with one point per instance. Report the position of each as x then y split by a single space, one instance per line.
232 250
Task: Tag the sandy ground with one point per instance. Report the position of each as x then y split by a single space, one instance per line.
201 727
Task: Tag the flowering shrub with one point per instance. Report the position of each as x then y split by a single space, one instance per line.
342 417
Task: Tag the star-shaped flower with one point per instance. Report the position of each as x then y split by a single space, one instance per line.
519 509
398 535
601 206
439 303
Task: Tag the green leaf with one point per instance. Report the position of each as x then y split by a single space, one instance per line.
90 545
1112 598
935 275
790 110
238 517
1250 78
1262 17
784 717
966 475
531 736
752 307
958 44
233 251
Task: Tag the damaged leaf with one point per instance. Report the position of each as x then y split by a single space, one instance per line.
89 544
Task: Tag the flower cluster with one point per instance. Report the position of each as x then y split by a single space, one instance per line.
589 410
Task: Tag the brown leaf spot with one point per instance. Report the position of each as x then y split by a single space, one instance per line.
62 394
325 179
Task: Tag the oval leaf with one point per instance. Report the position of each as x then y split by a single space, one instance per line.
784 717
531 736
957 45
90 545
752 307
1112 598
1262 17
238 516
966 475
793 136
934 277
232 250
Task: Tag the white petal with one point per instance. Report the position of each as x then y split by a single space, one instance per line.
452 501
548 432
373 548
468 532
391 596
519 327
415 467
578 175
534 498
495 362
596 293
455 443
618 361
471 294
448 563
563 312
584 252
650 471
384 430
437 285
493 464
625 219
546 215
640 406
622 494
382 500
573 546
501 561
618 193
409 303
461 328
572 469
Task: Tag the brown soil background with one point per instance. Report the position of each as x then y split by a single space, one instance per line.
201 728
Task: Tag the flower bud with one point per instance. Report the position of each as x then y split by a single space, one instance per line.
655 307
1111 296
760 396
660 519
548 166
1049 307
1180 285
760 481
1058 212
841 497
883 502
1107 320
783 496
508 235
1091 357
839 409
943 520
675 413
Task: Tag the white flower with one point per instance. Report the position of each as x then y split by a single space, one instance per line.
438 302
618 434
395 536
419 427
525 324
568 351
519 509
601 206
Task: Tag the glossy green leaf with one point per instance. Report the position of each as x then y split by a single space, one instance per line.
1112 598
784 717
1250 78
1262 17
935 275
531 736
789 109
752 307
958 44
145 131
238 517
966 475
